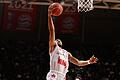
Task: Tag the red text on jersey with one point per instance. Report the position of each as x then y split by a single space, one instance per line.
62 62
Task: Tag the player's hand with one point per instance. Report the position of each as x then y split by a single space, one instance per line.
93 60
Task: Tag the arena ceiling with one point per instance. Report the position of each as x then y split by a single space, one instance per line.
102 4
107 4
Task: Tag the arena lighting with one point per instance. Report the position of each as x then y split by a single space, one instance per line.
77 79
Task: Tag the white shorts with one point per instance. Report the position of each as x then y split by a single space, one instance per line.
52 75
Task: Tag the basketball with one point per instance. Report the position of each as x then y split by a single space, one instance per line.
56 9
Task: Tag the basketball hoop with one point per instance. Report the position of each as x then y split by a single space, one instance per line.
85 5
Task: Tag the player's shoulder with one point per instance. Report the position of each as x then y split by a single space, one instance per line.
65 50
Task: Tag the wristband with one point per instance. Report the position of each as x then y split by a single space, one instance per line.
88 62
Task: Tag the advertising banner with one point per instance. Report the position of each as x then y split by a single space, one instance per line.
69 21
19 17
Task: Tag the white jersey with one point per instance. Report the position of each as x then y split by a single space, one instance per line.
59 62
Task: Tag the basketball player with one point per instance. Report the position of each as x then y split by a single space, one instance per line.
59 58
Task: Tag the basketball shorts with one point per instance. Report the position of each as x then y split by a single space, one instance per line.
54 76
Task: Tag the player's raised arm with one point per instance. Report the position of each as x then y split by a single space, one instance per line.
51 30
54 9
77 62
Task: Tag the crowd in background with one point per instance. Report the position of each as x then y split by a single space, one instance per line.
24 60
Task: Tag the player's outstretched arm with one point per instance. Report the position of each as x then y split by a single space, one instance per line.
77 62
51 31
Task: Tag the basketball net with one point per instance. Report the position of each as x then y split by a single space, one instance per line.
85 5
